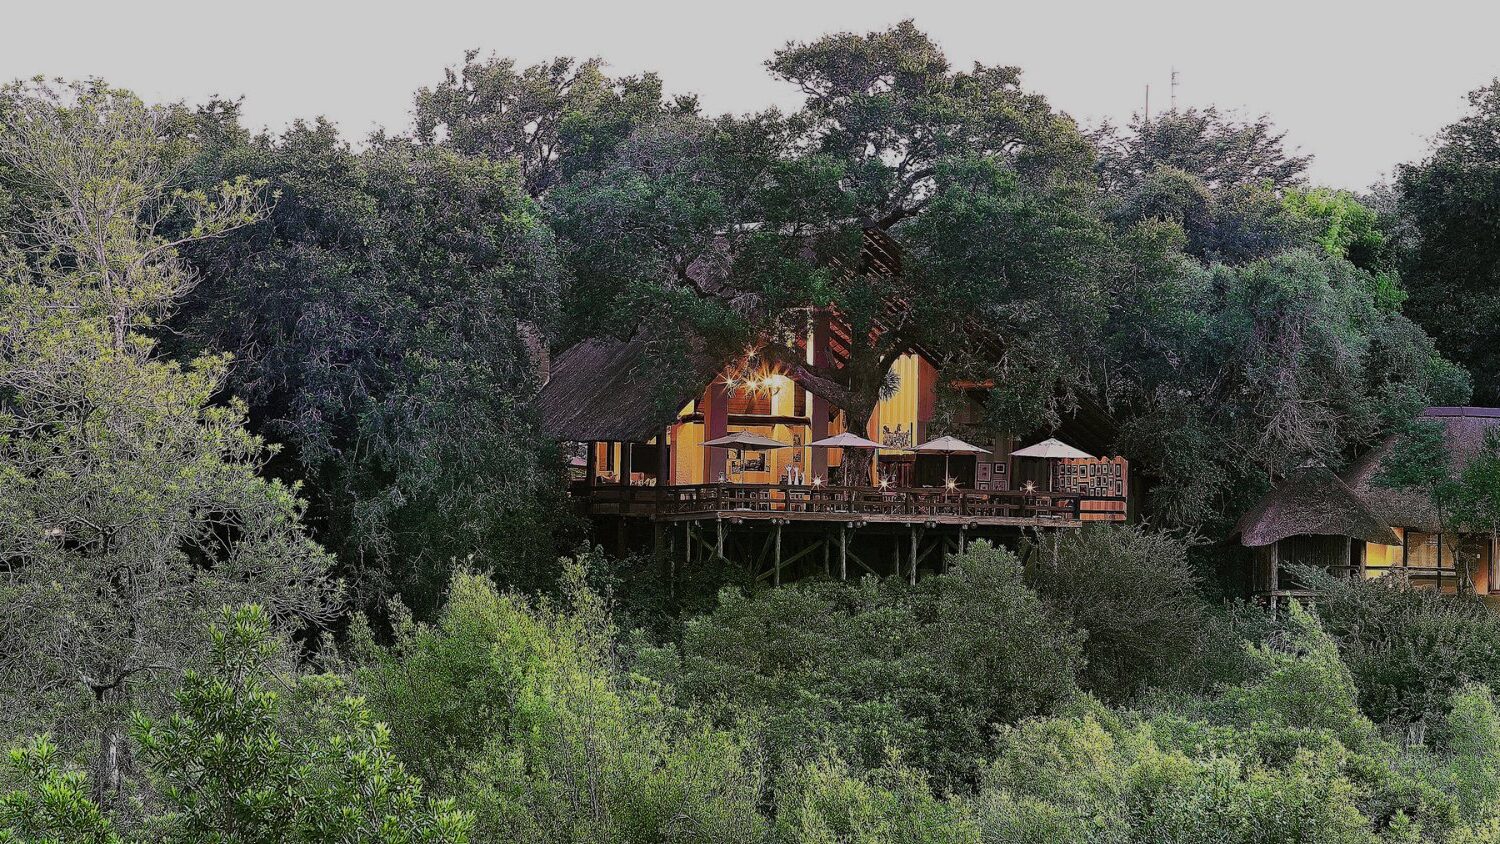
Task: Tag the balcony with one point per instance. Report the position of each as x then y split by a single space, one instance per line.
865 505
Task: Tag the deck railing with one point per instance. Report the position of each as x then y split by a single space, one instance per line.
835 502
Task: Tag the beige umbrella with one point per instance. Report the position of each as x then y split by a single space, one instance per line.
1052 449
847 440
741 441
948 446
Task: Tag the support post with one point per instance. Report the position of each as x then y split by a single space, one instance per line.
719 541
843 553
716 424
823 540
664 458
818 409
626 467
914 555
777 555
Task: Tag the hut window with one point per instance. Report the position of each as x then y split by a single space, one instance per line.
1425 551
1380 558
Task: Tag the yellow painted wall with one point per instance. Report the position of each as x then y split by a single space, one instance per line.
900 409
1381 558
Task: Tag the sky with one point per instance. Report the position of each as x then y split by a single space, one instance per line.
1362 86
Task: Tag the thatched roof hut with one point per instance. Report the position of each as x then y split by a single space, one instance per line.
1312 501
1464 430
607 390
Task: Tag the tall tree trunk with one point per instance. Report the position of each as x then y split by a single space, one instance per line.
114 751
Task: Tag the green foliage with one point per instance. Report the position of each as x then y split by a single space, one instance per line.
226 771
874 668
1282 756
1449 235
1297 361
226 768
554 119
517 709
134 504
824 801
53 805
1408 649
1135 594
389 313
1207 144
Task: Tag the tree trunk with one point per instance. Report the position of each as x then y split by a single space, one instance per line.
114 750
857 467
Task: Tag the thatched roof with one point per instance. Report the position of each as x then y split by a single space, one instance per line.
604 389
1464 429
1312 500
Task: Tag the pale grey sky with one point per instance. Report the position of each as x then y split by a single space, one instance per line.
1360 85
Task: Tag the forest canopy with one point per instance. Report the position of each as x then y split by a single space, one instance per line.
286 556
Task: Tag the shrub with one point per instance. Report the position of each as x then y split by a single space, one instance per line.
520 708
825 802
231 765
1136 596
1408 649
872 667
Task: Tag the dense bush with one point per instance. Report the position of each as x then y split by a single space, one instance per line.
872 668
517 709
1283 756
1137 597
235 764
1409 649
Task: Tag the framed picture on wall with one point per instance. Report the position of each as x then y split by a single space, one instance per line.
981 471
999 469
982 486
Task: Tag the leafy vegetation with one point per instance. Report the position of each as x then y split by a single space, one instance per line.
279 541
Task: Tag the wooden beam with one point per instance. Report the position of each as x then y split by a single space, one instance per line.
777 580
843 554
914 541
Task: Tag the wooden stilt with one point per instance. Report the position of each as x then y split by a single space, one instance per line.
719 542
914 555
777 559
823 540
843 554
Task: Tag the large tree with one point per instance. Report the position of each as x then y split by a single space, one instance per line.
389 317
749 226
552 119
134 506
1452 258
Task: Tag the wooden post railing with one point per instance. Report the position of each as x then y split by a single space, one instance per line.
687 499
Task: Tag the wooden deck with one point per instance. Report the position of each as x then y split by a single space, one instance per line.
784 504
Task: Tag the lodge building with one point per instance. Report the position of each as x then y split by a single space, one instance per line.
1353 526
640 465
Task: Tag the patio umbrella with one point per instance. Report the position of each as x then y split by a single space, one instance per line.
847 440
1052 449
948 446
741 441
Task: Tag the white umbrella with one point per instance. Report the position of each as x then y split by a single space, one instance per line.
847 440
740 441
1052 449
948 446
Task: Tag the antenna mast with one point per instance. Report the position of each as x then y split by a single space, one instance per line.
1148 102
1174 88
